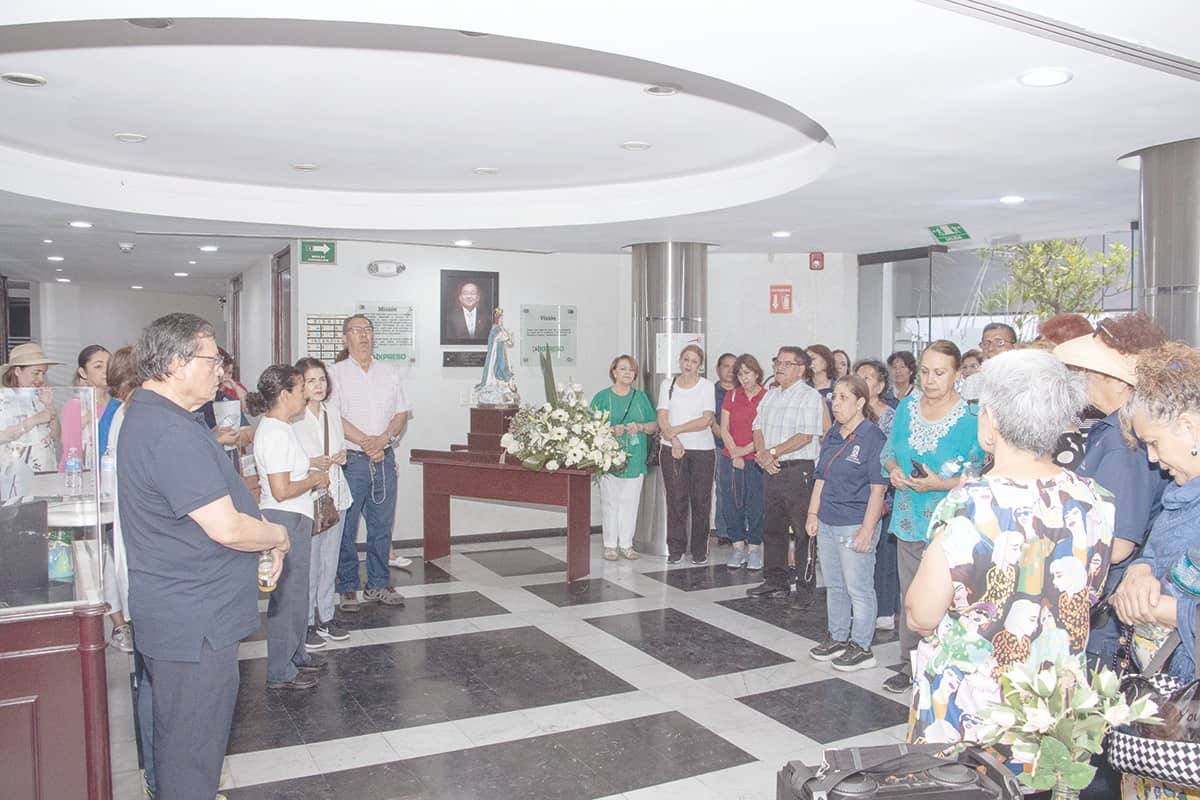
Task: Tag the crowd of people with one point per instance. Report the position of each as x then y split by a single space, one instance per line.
1022 501
1019 502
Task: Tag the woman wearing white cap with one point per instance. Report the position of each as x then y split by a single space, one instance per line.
28 422
1108 358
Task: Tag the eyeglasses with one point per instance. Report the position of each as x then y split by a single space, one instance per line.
996 343
359 331
776 362
217 361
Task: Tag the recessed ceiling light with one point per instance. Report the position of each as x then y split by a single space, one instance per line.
80 224
486 170
58 269
192 263
25 79
209 248
181 274
47 241
635 146
153 23
1045 76
463 243
55 258
135 286
1012 199
473 34
781 234
662 89
63 280
130 138
305 167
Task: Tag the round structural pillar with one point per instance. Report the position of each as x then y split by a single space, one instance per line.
1169 285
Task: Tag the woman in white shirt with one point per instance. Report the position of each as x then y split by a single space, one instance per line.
287 480
319 430
686 409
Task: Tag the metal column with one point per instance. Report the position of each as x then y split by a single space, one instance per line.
1169 285
670 296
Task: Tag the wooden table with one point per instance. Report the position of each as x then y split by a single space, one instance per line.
479 475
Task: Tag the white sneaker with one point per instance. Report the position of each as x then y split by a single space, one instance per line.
399 562
885 623
122 638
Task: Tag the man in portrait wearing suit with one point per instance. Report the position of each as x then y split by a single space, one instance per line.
465 319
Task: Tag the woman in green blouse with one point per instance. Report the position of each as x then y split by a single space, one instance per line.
631 415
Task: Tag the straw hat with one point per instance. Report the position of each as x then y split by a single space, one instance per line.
27 355
1090 352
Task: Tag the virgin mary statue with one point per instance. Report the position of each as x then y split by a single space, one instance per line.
496 386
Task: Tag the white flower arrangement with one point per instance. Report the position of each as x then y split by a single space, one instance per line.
565 433
1055 719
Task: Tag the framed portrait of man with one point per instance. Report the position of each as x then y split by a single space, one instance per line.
468 299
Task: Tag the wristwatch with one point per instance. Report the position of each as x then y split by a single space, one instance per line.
773 452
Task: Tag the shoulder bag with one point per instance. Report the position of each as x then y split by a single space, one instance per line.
655 440
325 513
1174 760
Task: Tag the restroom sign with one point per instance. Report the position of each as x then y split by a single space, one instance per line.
781 298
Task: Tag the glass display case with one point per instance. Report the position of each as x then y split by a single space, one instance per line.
56 513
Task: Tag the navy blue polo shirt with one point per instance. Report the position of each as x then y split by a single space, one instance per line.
719 393
1137 487
849 467
184 588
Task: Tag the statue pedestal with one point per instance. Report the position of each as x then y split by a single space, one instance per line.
487 426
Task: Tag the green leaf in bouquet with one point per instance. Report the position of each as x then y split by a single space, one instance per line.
1038 780
1078 775
1052 755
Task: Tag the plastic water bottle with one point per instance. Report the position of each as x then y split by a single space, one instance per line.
108 473
73 474
265 583
1186 572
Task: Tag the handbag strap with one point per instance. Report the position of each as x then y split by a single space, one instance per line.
1168 648
325 418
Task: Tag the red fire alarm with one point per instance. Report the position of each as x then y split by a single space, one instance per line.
816 261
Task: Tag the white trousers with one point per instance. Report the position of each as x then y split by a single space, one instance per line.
619 499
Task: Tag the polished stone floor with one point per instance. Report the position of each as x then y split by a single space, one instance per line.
498 680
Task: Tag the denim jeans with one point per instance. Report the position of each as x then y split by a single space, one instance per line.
887 576
747 506
373 487
849 583
725 518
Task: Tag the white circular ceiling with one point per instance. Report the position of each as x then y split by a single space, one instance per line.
391 123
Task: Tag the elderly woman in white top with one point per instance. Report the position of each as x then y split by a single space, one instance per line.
287 480
320 433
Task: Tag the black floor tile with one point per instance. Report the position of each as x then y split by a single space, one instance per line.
517 561
803 614
829 710
313 787
710 576
577 593
434 608
694 647
572 765
381 687
418 573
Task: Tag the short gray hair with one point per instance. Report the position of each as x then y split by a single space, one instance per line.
177 334
346 322
1033 397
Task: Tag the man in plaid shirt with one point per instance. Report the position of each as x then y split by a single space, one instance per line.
787 434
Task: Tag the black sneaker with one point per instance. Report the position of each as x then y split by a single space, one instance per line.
302 681
312 639
854 658
327 630
768 589
898 683
723 541
675 559
699 562
827 650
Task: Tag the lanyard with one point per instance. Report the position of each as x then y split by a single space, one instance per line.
841 450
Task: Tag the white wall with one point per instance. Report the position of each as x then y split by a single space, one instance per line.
255 319
825 304
70 316
597 284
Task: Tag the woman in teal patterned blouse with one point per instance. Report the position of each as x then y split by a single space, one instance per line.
632 416
931 448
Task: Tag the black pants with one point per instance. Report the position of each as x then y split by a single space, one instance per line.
689 485
786 505
193 711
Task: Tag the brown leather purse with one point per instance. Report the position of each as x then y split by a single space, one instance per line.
325 513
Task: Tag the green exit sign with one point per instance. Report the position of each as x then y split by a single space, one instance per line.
952 232
314 252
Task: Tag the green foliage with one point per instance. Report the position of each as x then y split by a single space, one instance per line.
548 376
1055 276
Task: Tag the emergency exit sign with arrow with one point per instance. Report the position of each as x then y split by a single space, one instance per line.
315 252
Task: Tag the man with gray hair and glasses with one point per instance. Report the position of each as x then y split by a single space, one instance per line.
192 534
368 395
